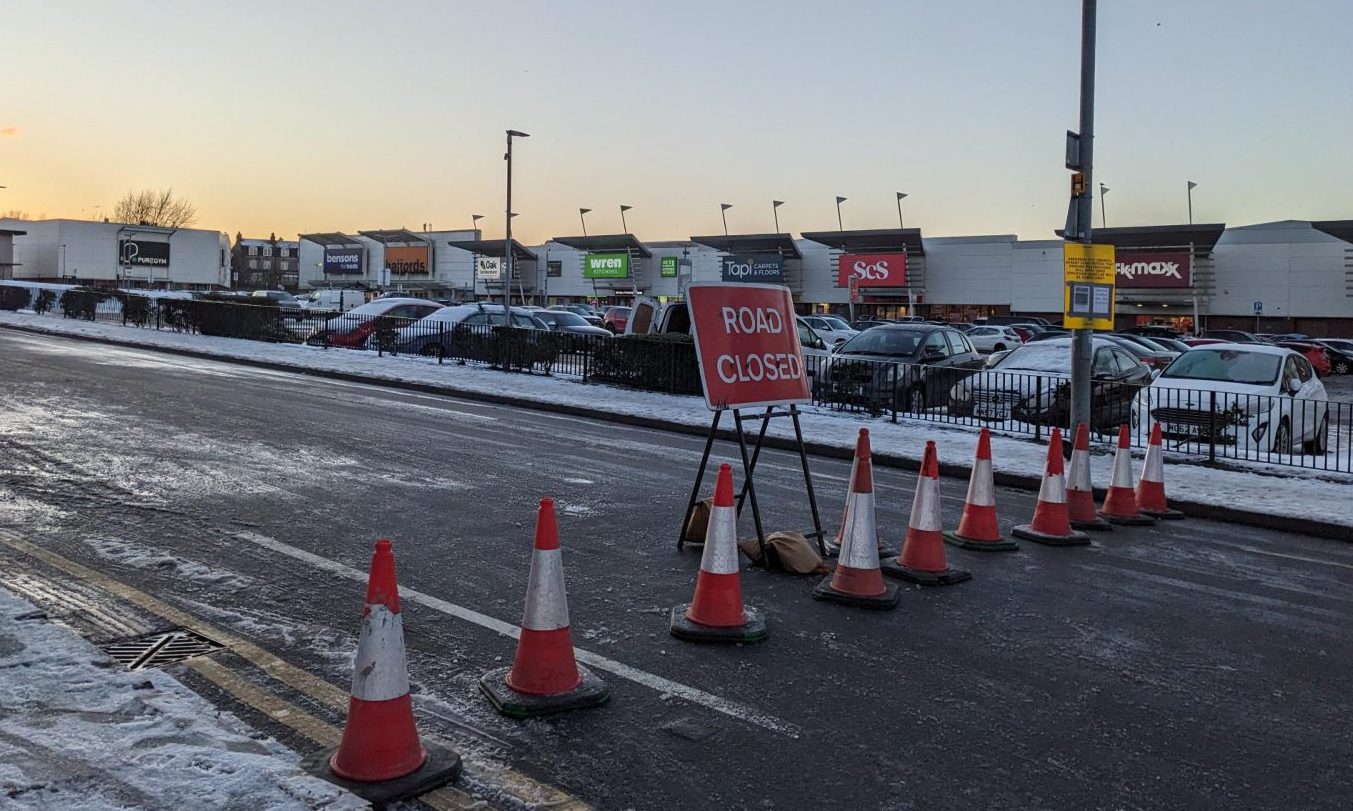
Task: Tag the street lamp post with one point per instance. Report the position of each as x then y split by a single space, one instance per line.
723 212
900 196
1192 186
474 221
623 209
582 217
839 225
775 212
1103 217
1083 339
507 239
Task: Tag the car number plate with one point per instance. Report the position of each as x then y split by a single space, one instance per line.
993 411
1182 429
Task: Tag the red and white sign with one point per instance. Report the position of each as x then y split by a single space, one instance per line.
1137 269
747 343
872 269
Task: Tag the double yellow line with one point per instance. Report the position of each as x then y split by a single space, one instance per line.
524 789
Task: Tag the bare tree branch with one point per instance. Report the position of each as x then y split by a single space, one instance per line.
151 207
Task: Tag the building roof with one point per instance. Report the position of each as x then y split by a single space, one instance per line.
782 244
1203 238
493 247
332 240
1339 229
396 236
606 242
9 232
907 240
264 242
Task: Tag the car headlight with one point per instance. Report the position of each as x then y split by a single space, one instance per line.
960 394
1259 431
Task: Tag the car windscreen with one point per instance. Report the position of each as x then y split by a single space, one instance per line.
1227 365
1339 344
891 342
562 319
1042 356
836 323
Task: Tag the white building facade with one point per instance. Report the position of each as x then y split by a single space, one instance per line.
109 254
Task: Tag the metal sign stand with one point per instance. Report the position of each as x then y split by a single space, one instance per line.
748 493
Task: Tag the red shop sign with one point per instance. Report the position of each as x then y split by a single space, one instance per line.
747 343
872 269
1153 269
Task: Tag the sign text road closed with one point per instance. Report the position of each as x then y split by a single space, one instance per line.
747 343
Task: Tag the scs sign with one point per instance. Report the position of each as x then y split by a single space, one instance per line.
747 343
872 269
1137 269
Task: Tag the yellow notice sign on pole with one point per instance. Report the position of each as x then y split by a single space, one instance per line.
1087 272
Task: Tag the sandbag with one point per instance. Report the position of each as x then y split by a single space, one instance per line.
788 551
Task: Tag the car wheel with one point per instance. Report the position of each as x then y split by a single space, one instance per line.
431 351
1282 438
1319 443
1341 367
914 400
998 348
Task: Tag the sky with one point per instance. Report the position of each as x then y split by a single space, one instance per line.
291 117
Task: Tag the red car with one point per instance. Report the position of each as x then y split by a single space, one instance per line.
615 319
352 329
1315 353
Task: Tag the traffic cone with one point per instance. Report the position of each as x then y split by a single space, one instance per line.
544 677
1080 494
857 579
380 757
1151 487
717 613
978 528
922 559
834 547
1120 505
1052 522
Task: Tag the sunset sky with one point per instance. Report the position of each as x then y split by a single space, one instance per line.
292 117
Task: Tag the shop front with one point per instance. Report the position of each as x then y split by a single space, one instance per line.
489 260
881 270
615 268
758 259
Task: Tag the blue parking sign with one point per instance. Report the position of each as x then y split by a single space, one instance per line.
1258 307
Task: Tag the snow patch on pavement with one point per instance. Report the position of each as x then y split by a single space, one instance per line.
140 556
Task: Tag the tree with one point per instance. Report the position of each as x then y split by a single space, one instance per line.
15 214
151 207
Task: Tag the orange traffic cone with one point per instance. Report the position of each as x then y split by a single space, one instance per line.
922 559
380 757
544 677
1052 523
978 528
857 579
1120 505
1151 487
1080 494
717 613
833 547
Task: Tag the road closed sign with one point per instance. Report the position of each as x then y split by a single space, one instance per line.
747 343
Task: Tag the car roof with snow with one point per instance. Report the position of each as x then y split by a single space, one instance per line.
1260 349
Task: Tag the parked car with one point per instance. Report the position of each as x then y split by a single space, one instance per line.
1267 398
1340 351
436 333
587 313
1172 344
1314 352
993 339
1012 319
616 318
1154 356
334 301
1231 335
1049 334
287 305
571 324
1032 384
862 324
385 315
910 367
1289 336
830 329
1025 332
1153 331
1202 341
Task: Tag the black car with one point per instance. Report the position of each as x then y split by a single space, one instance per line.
1153 331
865 323
1234 336
588 314
580 333
1340 351
909 367
1032 384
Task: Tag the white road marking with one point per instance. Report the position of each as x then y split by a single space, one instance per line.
653 681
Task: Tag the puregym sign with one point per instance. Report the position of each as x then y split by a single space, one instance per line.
768 268
1155 269
872 269
606 266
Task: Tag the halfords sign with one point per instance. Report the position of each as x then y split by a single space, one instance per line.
340 261
1135 269
766 268
606 266
406 260
144 253
747 343
872 269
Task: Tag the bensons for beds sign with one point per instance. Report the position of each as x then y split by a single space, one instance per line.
747 343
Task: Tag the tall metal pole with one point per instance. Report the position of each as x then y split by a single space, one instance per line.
775 210
1191 185
723 212
623 225
1082 345
900 195
582 218
507 241
839 225
1103 215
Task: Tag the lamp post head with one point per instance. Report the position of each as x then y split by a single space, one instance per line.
583 211
840 200
725 206
1192 186
626 208
901 195
517 134
1103 189
776 203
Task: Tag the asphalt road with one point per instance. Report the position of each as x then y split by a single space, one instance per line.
1193 664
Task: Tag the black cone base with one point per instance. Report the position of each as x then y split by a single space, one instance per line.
753 630
441 767
1137 520
1000 545
1028 533
883 602
948 577
1167 515
1097 525
834 551
592 692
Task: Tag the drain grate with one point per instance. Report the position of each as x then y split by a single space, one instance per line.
159 649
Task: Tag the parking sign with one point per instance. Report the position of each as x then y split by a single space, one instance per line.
747 345
1258 307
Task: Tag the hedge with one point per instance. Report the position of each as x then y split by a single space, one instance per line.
664 362
82 302
13 297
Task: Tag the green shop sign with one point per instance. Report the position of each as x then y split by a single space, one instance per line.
669 267
606 266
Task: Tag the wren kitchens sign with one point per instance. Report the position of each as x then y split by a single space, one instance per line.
747 344
606 266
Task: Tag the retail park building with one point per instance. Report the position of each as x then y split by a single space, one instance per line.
1298 274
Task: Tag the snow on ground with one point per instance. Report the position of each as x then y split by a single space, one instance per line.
1305 493
79 734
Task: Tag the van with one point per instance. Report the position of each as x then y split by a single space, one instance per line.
335 301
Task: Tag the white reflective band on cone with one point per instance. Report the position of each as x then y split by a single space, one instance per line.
721 542
859 546
979 486
1053 490
1122 469
925 510
379 672
1153 469
546 602
1079 478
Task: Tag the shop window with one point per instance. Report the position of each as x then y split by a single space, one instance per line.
554 268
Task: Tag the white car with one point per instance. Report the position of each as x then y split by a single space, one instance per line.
993 339
1258 398
832 330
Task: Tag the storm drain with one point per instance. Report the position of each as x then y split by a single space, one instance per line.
159 649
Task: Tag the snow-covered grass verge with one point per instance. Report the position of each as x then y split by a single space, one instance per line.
1287 492
79 734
